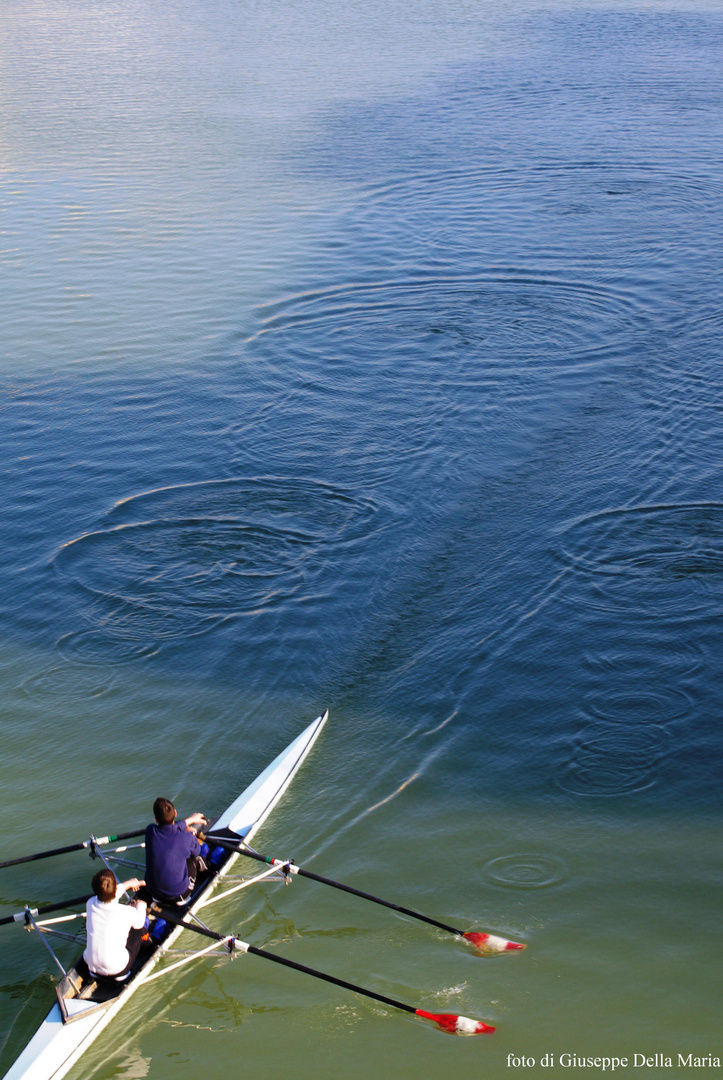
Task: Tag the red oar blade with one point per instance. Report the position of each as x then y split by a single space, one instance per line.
491 944
457 1025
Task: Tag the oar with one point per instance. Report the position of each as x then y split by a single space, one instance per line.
20 915
71 847
450 1022
485 944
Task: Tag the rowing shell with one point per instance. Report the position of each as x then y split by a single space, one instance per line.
85 1006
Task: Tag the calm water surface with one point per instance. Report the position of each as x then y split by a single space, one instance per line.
369 357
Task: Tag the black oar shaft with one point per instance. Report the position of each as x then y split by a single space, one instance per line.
291 964
331 979
69 847
244 850
41 855
378 900
47 909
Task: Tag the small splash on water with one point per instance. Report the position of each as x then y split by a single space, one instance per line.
452 991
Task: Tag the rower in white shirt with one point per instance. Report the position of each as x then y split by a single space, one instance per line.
114 930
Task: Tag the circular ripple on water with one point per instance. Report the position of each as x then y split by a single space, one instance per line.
403 326
658 705
463 195
417 368
612 760
654 660
104 646
179 560
652 559
69 682
525 871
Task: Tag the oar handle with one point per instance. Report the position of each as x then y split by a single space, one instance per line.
70 847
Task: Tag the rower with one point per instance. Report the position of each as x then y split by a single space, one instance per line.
173 854
114 930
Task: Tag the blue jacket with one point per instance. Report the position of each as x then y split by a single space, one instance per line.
167 849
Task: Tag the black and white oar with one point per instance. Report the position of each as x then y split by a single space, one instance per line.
485 944
20 916
71 847
450 1022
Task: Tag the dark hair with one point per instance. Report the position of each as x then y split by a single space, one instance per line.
104 885
164 811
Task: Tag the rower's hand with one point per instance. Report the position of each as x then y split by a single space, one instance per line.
195 819
133 884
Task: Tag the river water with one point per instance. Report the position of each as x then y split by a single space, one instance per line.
369 356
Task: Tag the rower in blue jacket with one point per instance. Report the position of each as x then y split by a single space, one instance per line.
173 854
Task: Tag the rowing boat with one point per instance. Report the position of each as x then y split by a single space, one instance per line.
85 1005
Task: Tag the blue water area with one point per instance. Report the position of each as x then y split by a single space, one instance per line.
465 463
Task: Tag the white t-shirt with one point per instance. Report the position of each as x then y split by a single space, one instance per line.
107 927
